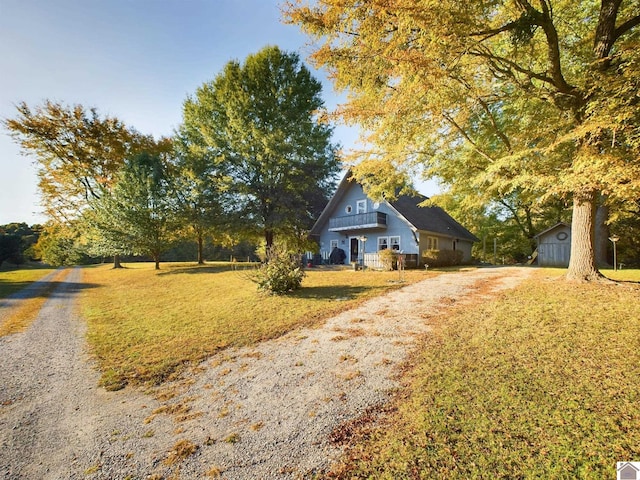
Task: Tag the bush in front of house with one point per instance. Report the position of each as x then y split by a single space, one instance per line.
442 258
281 273
388 259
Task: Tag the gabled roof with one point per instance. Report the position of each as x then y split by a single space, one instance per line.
550 229
337 196
431 219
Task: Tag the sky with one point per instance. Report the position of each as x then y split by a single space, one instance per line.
136 60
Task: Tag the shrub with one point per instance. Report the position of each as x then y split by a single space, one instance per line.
442 258
387 259
281 272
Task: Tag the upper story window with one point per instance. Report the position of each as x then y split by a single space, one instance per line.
348 209
361 206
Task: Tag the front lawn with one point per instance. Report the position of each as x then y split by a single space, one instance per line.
143 325
542 382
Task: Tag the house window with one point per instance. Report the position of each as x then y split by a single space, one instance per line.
383 243
348 209
361 206
333 244
394 242
432 243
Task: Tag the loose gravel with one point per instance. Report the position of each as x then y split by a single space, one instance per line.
262 412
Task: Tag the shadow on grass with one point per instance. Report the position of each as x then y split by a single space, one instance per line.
203 269
8 288
333 292
45 289
626 282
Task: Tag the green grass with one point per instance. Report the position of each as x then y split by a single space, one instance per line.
629 275
143 326
542 382
14 280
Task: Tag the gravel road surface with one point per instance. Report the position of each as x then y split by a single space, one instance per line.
265 412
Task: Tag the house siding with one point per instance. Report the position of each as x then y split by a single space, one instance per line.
396 226
554 247
446 243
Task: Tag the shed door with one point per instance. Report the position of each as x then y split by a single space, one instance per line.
555 254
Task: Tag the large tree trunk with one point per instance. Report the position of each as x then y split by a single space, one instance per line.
582 265
156 259
116 261
200 249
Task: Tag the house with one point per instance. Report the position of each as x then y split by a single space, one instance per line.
554 246
361 227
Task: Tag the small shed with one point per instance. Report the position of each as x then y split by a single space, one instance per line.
628 470
554 246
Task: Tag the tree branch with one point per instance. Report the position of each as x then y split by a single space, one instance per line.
466 136
494 124
514 66
625 27
553 50
605 30
494 31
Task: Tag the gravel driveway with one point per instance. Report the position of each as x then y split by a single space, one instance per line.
264 412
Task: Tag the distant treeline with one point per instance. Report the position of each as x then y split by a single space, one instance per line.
19 244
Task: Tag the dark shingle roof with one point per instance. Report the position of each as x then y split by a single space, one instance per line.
432 219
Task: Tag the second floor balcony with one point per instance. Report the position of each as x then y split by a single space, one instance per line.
360 221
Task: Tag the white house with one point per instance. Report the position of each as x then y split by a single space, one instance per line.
357 225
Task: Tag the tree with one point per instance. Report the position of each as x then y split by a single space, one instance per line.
537 94
199 186
78 154
10 248
59 245
137 216
262 124
28 236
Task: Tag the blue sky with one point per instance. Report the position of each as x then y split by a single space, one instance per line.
133 59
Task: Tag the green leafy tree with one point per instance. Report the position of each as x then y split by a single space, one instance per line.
59 244
28 236
138 214
262 123
10 249
528 97
199 187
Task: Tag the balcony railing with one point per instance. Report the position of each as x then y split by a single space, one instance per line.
360 221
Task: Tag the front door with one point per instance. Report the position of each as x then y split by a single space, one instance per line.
355 246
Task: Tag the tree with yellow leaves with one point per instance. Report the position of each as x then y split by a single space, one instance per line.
534 97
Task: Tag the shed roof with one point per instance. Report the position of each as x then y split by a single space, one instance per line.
551 229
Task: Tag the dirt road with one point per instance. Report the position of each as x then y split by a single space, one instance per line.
262 412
